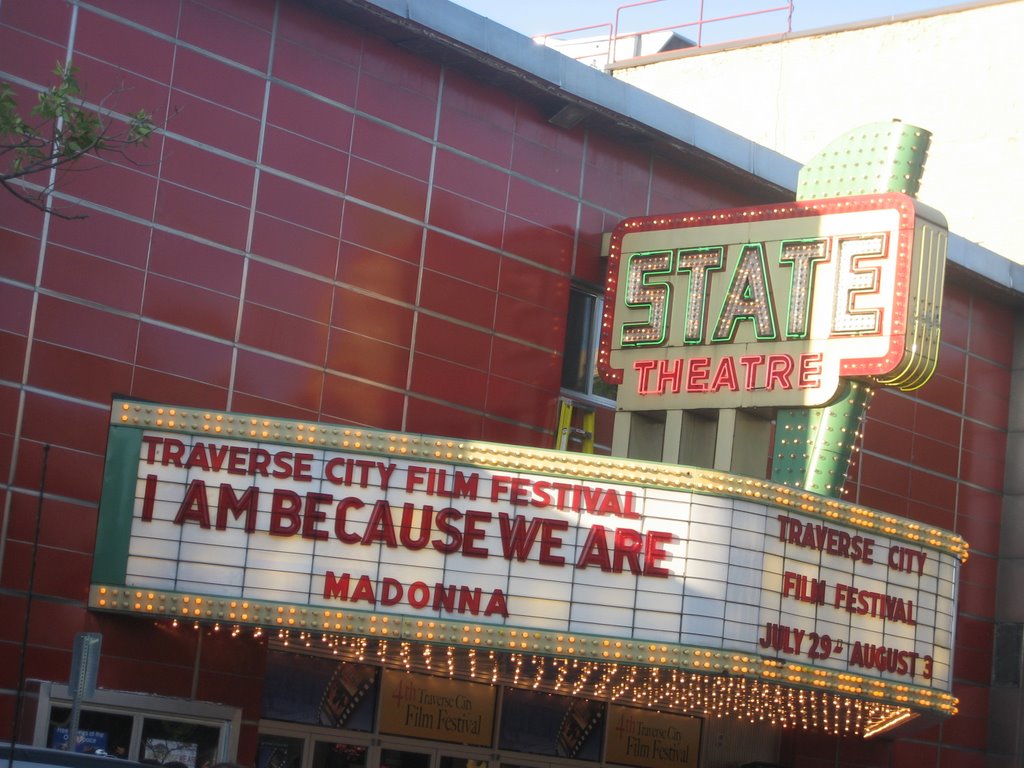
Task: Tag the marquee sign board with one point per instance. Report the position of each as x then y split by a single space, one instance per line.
772 305
269 522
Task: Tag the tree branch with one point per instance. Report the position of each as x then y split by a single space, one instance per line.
67 133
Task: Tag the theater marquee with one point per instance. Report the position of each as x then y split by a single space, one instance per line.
265 522
772 305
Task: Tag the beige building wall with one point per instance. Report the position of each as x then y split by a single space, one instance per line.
958 73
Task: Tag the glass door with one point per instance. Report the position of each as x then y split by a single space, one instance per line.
291 748
339 754
451 761
415 756
405 758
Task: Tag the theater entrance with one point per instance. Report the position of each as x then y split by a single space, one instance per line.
322 712
286 746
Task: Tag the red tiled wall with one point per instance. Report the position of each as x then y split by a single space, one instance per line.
293 241
938 456
303 246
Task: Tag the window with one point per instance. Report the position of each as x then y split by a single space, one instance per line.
167 740
582 334
98 732
1006 660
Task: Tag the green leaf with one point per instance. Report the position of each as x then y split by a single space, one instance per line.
61 132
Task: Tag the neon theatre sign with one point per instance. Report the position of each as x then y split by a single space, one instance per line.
772 305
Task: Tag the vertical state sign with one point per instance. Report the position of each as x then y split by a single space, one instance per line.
772 305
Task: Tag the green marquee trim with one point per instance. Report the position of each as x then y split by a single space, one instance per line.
120 477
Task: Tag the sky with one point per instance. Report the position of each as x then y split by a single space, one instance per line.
539 17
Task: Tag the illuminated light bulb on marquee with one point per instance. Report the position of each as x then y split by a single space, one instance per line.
715 696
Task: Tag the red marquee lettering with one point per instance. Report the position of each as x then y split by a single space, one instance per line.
595 550
194 506
227 503
285 519
380 527
344 506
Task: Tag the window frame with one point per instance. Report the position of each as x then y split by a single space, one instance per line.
140 707
596 304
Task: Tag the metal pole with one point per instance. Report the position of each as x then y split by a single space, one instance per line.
28 609
76 712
